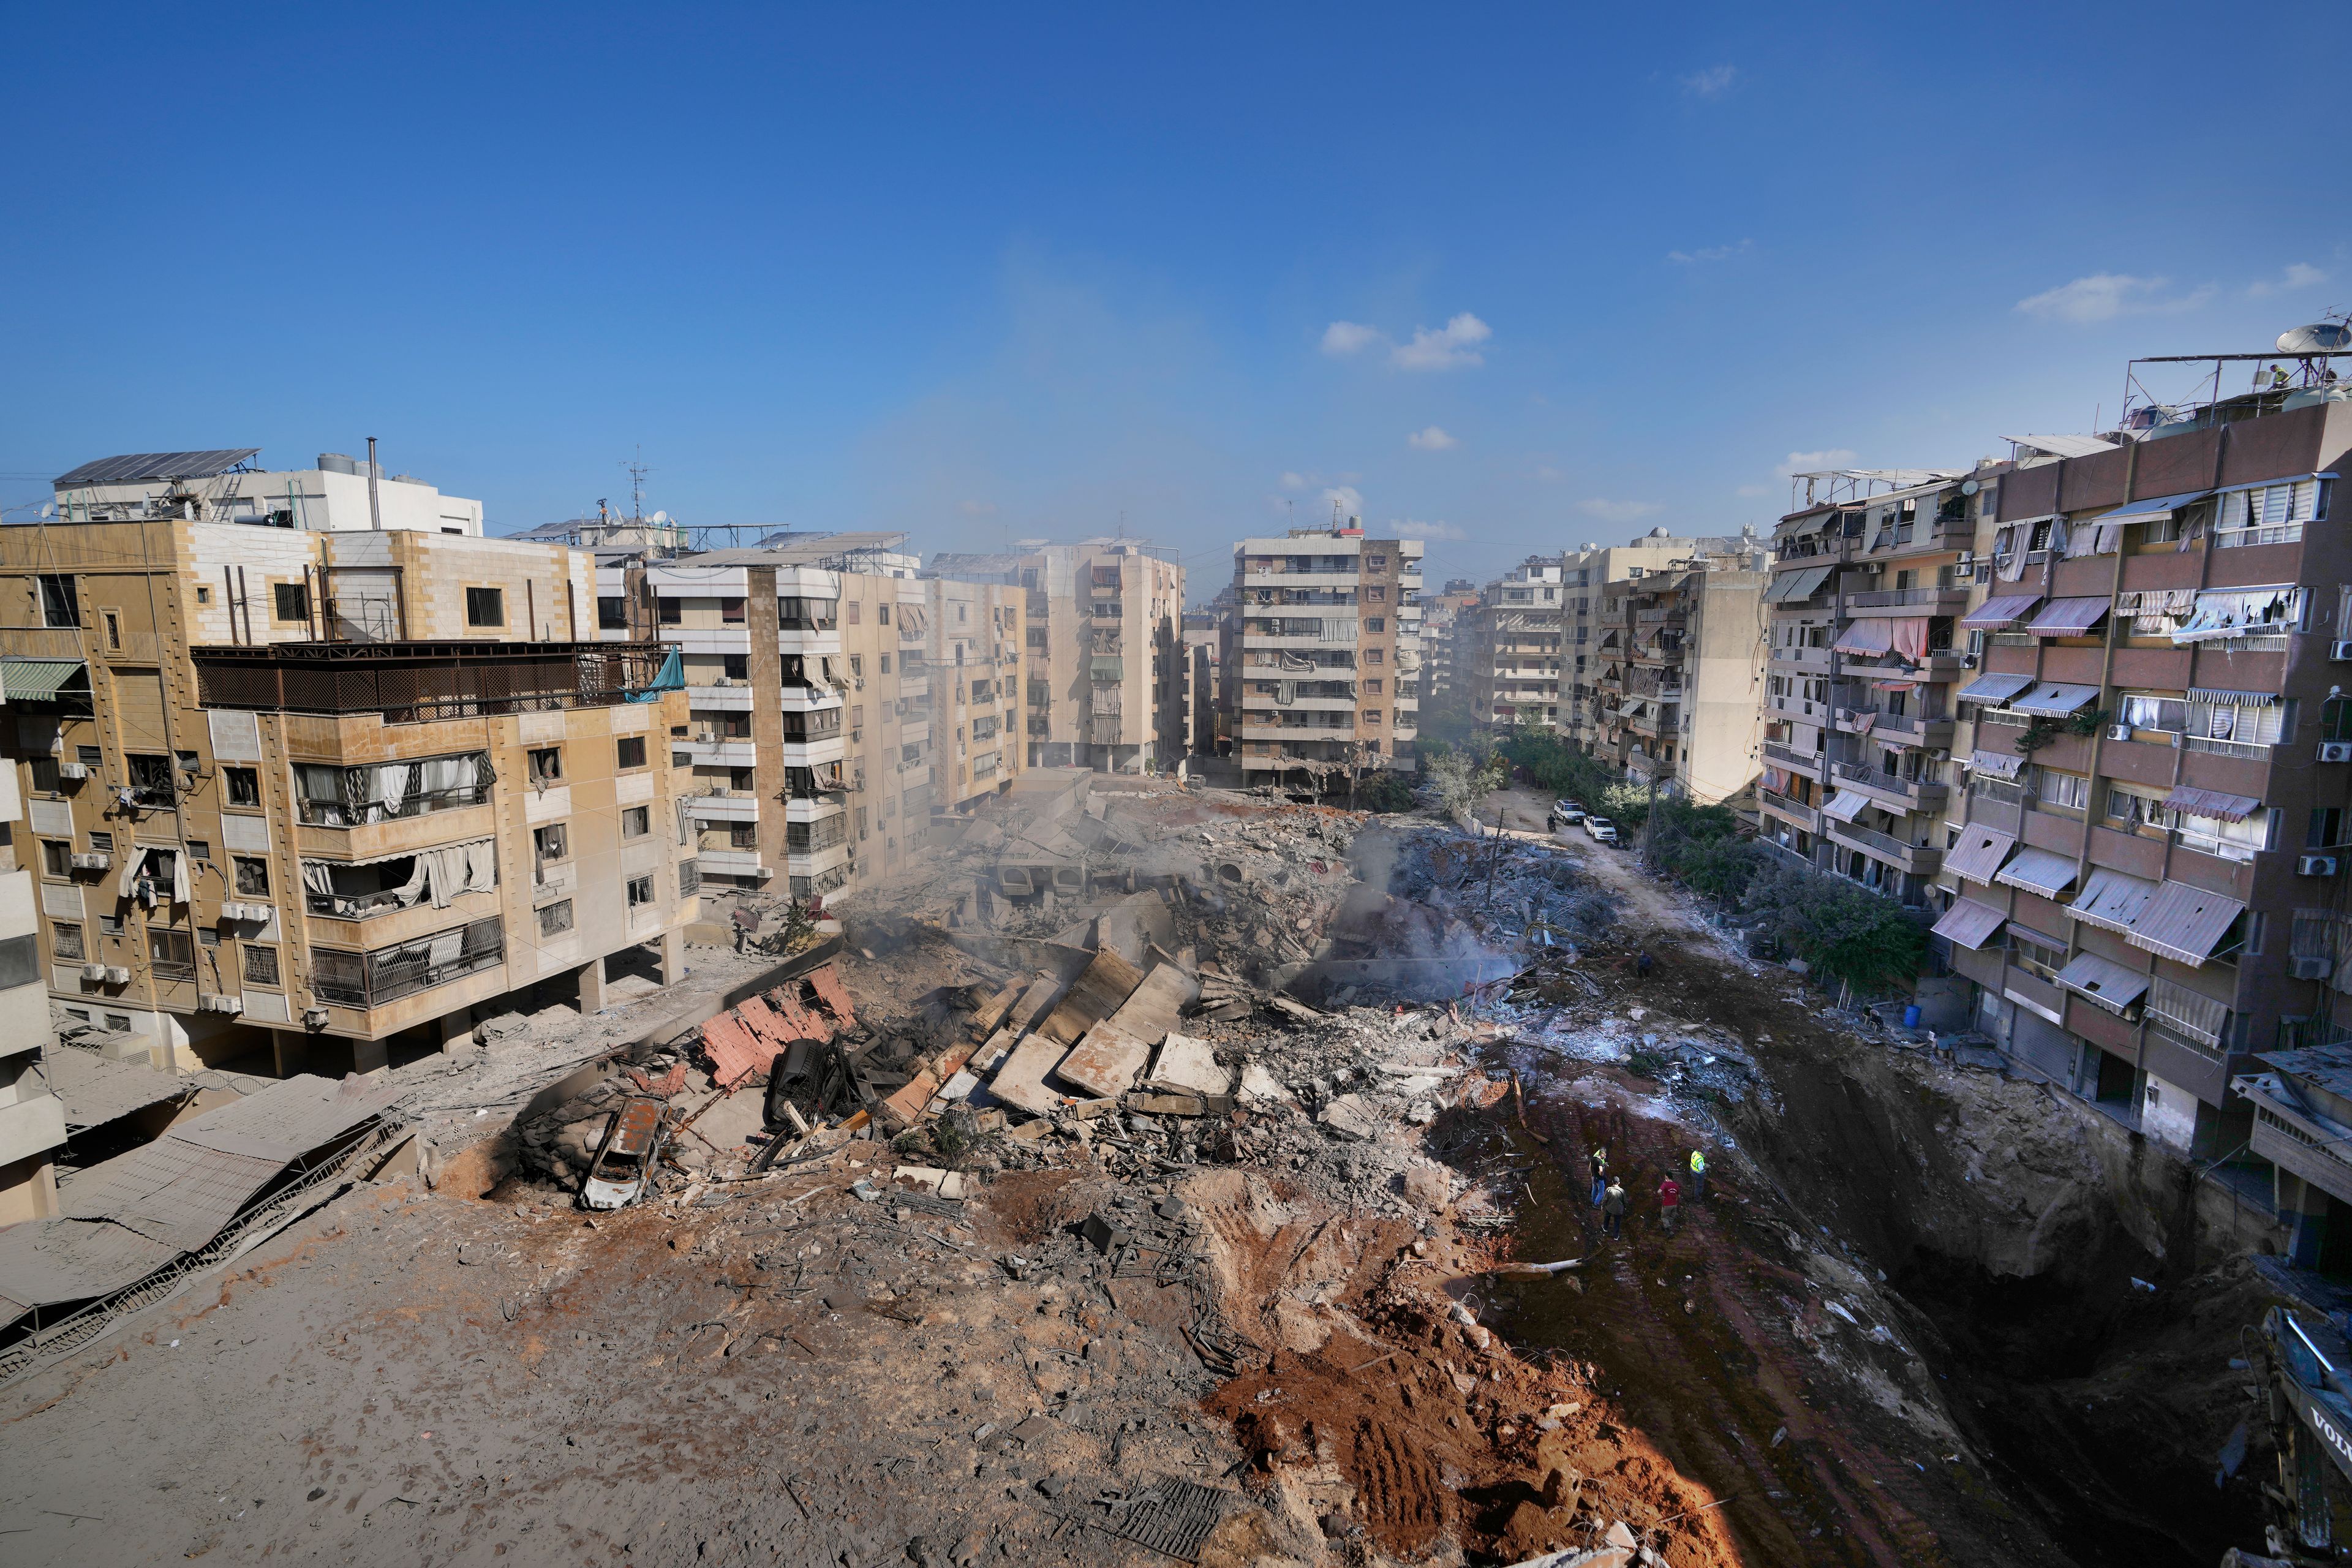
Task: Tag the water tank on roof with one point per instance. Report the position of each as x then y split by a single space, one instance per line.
1659 531
336 463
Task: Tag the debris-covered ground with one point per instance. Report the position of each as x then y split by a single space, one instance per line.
1268 1300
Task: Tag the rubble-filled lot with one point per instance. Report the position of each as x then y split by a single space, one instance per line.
1263 1301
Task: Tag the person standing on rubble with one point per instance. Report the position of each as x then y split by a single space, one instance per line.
1600 1174
1641 965
1670 1202
1612 1211
1698 1175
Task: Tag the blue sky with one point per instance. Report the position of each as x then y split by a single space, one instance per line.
1522 277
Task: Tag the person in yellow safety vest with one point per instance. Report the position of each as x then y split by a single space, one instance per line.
1699 1175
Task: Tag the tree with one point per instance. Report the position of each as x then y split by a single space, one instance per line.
1464 780
1385 790
1844 931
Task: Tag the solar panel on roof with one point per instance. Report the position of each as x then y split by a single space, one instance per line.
138 467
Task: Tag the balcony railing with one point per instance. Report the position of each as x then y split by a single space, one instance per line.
376 979
1788 757
420 682
1920 859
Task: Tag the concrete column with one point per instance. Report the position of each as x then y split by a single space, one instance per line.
673 955
2303 1208
288 1051
456 1029
592 987
369 1056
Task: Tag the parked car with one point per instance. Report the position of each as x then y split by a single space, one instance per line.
624 1169
1565 813
1601 829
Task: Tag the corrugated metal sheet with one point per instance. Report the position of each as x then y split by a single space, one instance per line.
2184 923
1969 923
2039 871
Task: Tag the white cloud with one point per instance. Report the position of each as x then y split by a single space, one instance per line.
978 509
2298 275
1711 253
1432 439
1755 489
1619 511
1294 481
1820 461
1343 338
1712 82
2104 296
1450 347
1350 500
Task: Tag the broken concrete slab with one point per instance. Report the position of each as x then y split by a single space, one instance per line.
1188 1064
1153 1008
1348 1116
1261 1087
1095 996
1021 1081
1034 1001
1107 1062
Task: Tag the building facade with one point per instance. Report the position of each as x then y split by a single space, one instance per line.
32 1116
1681 678
1513 634
1323 657
339 495
296 798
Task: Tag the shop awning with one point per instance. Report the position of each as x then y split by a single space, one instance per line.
2153 507
2112 898
2069 617
1866 637
1846 804
2055 701
1980 853
2003 610
39 679
2042 872
1996 764
2212 802
1969 924
2104 980
1994 688
1799 584
2184 923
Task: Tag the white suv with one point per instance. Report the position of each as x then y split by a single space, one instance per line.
1602 830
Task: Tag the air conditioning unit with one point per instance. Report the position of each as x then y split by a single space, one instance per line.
2316 967
2336 751
1966 562
81 770
2119 731
95 860
117 975
2314 864
257 913
93 972
218 1004
2336 651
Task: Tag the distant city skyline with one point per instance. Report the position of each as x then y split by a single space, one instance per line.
1542 279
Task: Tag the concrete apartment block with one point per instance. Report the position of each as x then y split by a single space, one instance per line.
1682 673
224 487
972 659
1322 663
32 1118
302 798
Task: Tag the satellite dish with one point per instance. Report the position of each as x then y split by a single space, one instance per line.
661 517
2319 338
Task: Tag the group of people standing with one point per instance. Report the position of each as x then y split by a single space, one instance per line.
1609 1193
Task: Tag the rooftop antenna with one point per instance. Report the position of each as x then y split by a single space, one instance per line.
637 472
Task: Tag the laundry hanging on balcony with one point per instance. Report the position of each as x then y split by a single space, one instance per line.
2157 612
1908 636
1996 764
2240 612
1866 637
2093 539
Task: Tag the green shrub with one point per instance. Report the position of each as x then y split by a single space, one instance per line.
1844 931
1384 791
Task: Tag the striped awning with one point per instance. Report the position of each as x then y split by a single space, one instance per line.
1969 924
1802 584
2184 923
40 679
2212 802
1846 804
2042 872
1994 688
2104 980
1980 853
2069 617
2054 700
2001 610
2112 898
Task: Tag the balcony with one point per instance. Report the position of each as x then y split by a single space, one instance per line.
364 980
1892 790
1813 659
1919 860
1794 811
1907 602
1786 757
1903 729
1645 769
421 682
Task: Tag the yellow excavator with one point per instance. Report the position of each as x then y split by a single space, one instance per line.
2306 1368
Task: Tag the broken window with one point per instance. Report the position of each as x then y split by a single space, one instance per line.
641 891
243 785
252 875
556 919
331 796
485 606
358 890
544 766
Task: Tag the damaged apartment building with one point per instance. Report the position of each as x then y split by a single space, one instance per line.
1681 661
2086 710
297 797
1322 666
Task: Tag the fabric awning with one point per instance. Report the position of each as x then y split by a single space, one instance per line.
1969 924
2054 700
1994 688
2153 507
2104 980
1980 853
1803 583
1805 525
2184 923
2042 871
2239 612
2212 802
1866 637
2001 610
1996 764
2112 898
2222 697
2069 617
38 680
1846 804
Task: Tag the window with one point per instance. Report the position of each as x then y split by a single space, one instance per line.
204 595
260 965
60 605
689 878
112 624
612 613
882 617
556 919
1372 715
90 756
290 602
551 844
485 606
670 612
861 825
2070 792
243 785
2327 827
854 608
730 612
885 664
735 666
637 821
65 940
961 616
641 891
744 835
1375 655
119 1022
110 925
1376 562
56 859
47 780
2036 954
630 750
171 954
1375 623
1376 594
544 764
200 850
857 667
151 779
251 874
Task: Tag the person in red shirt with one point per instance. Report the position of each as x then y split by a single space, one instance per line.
1670 1203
